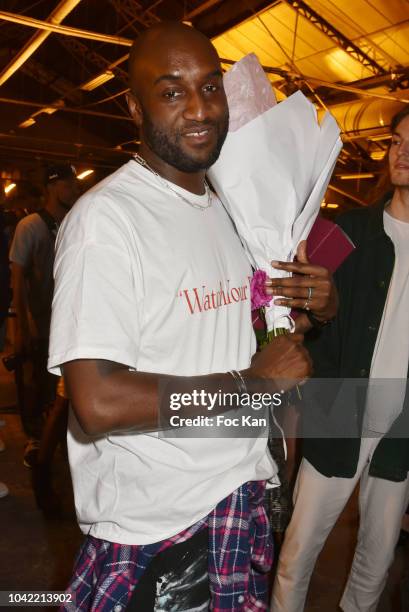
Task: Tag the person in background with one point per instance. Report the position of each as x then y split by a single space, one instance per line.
54 433
368 339
32 259
5 299
5 287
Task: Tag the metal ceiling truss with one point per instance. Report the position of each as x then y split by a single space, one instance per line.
376 53
134 24
202 8
297 78
63 9
340 39
83 148
81 51
131 9
400 81
66 109
51 79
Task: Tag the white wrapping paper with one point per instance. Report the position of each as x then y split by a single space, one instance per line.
273 170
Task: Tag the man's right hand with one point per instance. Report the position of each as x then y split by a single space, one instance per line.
285 361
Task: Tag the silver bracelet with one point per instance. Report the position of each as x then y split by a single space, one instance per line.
239 380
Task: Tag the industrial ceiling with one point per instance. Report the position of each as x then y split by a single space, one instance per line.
63 76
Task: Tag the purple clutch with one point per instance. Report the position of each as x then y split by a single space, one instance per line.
327 244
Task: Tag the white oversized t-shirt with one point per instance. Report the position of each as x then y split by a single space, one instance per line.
389 367
145 280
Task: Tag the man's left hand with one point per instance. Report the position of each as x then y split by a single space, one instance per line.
310 288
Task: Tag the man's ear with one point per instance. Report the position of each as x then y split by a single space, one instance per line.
135 108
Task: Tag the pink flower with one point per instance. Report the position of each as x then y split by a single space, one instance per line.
259 297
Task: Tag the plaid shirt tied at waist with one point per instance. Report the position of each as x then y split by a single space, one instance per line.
240 555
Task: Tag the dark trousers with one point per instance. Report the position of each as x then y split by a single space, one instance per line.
35 388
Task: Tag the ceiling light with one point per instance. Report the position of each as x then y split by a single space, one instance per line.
332 205
97 81
323 205
352 177
49 110
377 155
27 122
84 174
381 137
9 188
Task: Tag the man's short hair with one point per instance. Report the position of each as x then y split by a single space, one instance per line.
398 117
58 172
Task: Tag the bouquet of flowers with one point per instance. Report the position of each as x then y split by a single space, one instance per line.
272 173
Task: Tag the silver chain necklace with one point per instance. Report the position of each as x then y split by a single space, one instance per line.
140 160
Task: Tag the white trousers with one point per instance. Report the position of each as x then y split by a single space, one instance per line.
318 503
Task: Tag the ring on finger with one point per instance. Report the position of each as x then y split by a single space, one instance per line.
309 297
306 305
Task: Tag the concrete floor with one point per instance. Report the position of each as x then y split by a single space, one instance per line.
36 554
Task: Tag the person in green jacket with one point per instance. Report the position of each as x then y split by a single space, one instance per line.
367 341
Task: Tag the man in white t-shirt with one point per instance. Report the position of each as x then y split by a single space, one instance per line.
151 280
368 339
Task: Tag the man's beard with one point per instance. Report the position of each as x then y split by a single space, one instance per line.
167 146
